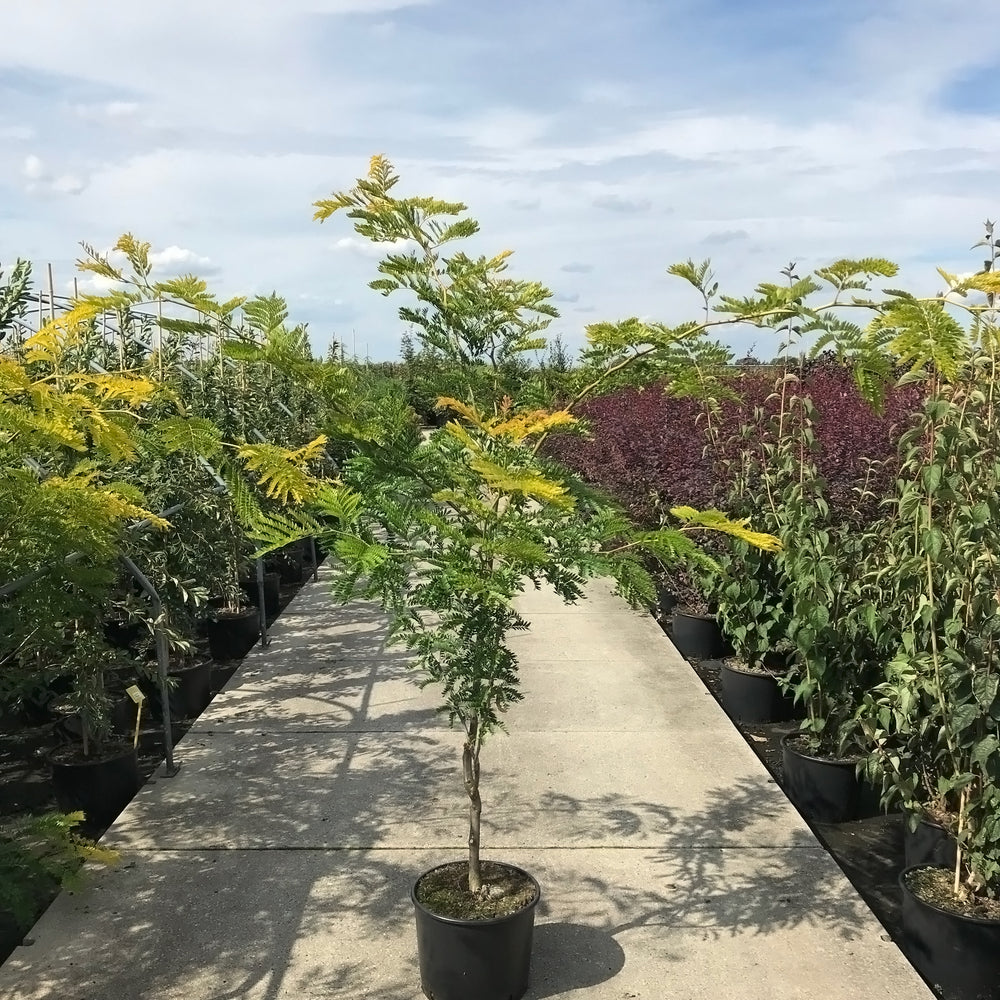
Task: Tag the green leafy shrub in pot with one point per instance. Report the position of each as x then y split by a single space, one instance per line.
934 721
446 533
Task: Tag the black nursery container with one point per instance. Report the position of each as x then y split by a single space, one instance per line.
101 787
272 592
957 954
698 637
481 959
190 693
929 844
753 696
232 636
823 790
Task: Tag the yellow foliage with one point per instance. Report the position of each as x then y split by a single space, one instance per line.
470 413
535 422
132 389
715 520
113 506
311 451
457 431
526 482
279 472
13 378
515 428
986 281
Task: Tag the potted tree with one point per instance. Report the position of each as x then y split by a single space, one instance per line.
233 625
446 533
751 589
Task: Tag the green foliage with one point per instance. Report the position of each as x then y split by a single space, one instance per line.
927 338
107 414
14 296
40 854
190 436
466 311
934 721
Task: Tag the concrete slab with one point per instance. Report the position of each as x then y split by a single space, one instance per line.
627 693
539 790
260 791
263 925
356 695
600 599
582 634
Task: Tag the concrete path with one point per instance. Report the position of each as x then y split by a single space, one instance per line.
277 863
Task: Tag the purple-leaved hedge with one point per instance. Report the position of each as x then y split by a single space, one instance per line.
643 443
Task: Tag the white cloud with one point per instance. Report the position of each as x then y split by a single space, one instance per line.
93 284
16 133
174 260
499 128
40 180
365 248
106 110
68 184
33 168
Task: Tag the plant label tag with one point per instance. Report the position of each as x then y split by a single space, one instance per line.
135 694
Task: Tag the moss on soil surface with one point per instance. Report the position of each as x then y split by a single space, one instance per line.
445 891
934 886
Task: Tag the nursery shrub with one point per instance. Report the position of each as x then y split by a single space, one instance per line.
648 449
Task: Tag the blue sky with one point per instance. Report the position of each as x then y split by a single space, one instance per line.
600 141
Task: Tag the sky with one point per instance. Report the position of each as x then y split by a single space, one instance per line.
600 141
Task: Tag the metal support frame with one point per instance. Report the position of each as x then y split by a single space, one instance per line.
261 604
162 660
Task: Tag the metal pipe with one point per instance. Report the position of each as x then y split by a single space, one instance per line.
262 604
21 582
312 553
162 659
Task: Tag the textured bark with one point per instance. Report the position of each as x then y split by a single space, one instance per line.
470 774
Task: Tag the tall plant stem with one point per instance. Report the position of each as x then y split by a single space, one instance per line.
470 774
962 802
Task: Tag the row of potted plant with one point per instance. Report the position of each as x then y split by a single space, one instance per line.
876 620
119 407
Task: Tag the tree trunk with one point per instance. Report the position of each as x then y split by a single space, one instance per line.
470 774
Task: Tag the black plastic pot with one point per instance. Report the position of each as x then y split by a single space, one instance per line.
123 716
481 959
825 791
123 635
753 696
698 637
272 592
100 787
232 636
191 690
288 563
958 955
929 844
